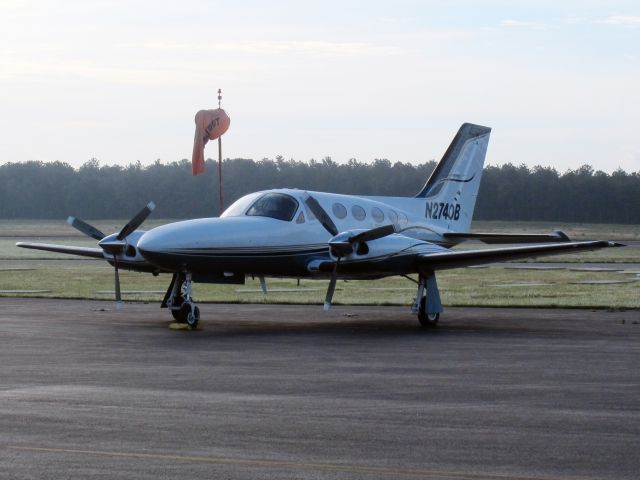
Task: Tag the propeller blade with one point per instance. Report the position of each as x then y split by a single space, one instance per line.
373 234
85 228
136 221
321 215
332 287
263 284
118 294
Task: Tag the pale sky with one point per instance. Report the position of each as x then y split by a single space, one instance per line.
559 82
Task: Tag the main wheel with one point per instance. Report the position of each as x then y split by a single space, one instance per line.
427 320
193 318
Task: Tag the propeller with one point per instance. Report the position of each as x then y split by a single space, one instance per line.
85 228
119 303
373 234
136 221
321 215
114 245
342 247
332 286
342 244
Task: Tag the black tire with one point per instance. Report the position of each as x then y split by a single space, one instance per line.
180 315
427 320
193 319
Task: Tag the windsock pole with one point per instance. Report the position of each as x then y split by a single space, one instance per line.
220 160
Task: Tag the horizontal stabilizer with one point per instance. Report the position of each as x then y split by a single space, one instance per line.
467 258
48 247
493 238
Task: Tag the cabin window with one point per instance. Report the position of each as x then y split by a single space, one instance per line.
402 218
377 215
274 205
393 216
309 214
339 210
358 212
300 218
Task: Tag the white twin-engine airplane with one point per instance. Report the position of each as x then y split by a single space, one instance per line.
295 233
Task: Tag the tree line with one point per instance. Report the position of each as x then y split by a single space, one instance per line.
37 189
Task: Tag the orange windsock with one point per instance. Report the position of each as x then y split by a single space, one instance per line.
210 124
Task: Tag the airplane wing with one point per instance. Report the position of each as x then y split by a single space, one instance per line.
467 258
490 238
136 265
48 247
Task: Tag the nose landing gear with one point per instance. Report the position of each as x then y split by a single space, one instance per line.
178 299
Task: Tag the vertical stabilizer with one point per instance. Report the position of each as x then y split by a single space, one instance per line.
451 191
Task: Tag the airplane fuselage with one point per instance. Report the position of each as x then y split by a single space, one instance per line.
285 239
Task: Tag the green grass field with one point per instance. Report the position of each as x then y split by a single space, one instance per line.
494 286
463 287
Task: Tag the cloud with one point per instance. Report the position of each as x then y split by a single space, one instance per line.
622 20
521 24
183 73
171 62
280 47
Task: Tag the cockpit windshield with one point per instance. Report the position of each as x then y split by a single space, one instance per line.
275 205
238 207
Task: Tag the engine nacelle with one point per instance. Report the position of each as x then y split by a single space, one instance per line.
388 246
125 251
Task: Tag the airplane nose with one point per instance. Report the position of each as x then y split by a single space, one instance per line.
165 246
152 242
152 246
146 243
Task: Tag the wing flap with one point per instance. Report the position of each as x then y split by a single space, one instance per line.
48 247
467 258
493 238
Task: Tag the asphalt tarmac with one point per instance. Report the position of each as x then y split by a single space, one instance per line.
289 392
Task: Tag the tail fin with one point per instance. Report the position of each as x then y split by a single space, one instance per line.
452 188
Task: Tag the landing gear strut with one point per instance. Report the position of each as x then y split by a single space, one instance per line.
178 299
427 305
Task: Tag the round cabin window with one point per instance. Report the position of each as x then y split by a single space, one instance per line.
339 210
377 215
358 212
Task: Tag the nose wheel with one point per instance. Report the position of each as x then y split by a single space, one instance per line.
179 301
190 314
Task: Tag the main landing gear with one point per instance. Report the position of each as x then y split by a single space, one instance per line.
427 304
178 299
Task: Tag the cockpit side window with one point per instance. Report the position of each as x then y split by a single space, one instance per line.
274 205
